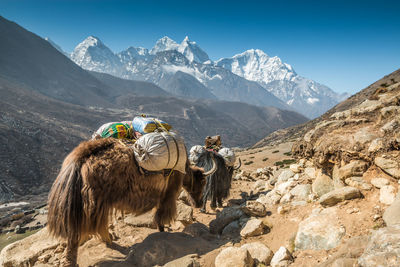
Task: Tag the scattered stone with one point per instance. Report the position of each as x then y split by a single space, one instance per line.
379 182
387 111
259 252
376 217
389 166
186 261
387 194
281 255
354 168
145 220
225 217
339 195
337 180
253 227
282 210
310 172
285 175
301 192
391 126
271 198
383 248
184 213
320 231
322 184
358 182
254 208
296 168
260 185
234 257
286 198
376 145
285 187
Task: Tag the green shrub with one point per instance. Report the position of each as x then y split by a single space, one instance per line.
275 151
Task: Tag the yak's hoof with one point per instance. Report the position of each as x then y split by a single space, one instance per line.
161 228
220 205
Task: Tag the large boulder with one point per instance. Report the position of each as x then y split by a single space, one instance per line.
27 251
271 198
383 248
234 257
322 184
259 252
379 182
389 166
320 231
339 195
184 213
301 192
285 175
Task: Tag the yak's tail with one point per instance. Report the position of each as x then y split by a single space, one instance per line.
65 204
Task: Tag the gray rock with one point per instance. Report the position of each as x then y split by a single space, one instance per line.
271 198
391 216
383 248
320 231
186 261
301 192
354 168
282 255
253 227
339 195
310 172
389 166
364 135
296 168
285 175
234 257
322 184
285 187
184 213
358 182
387 194
259 252
388 111
260 185
391 126
225 217
379 182
337 180
144 220
376 145
254 208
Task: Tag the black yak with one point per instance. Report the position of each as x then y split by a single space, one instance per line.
218 183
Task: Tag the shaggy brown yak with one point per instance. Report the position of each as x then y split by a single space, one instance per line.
101 175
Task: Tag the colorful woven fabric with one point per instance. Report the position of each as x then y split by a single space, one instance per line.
117 130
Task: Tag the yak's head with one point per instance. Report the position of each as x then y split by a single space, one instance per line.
195 180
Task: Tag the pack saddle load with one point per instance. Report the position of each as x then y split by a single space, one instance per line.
155 147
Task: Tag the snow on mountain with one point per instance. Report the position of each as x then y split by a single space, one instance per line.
92 54
304 95
164 44
192 51
252 76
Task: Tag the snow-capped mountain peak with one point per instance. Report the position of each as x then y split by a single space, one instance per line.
164 44
92 54
192 51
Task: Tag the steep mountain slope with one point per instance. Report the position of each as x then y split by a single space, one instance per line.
304 95
299 131
28 59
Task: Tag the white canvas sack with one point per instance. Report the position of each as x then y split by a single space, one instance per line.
228 155
161 150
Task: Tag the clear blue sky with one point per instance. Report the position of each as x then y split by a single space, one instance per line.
345 45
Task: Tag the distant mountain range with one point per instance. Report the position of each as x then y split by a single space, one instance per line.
48 104
251 77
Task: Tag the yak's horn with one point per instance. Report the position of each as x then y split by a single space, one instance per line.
240 164
213 169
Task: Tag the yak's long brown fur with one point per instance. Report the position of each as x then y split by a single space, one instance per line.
99 176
